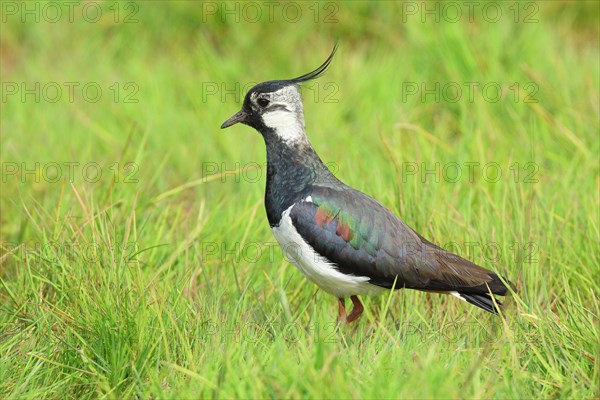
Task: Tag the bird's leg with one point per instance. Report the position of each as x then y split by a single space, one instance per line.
356 310
342 309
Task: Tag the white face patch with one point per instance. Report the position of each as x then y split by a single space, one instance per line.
285 115
285 124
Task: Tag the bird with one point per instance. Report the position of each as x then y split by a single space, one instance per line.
341 239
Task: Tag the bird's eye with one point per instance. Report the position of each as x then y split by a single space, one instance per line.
263 102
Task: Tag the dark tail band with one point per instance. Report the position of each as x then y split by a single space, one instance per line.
483 301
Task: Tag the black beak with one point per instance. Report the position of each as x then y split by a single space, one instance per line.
240 116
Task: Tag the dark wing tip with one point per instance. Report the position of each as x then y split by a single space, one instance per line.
500 285
317 72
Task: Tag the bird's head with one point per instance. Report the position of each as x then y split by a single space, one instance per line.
275 107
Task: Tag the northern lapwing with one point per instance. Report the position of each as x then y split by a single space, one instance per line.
341 239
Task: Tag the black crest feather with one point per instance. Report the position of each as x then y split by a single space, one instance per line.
317 72
272 86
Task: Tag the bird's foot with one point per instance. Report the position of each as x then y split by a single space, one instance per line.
357 310
341 310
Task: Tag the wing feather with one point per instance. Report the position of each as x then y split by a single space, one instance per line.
363 238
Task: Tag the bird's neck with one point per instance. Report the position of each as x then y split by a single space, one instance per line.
292 168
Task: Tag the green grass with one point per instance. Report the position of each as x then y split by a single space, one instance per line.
163 281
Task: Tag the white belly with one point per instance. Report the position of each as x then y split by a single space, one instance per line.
316 268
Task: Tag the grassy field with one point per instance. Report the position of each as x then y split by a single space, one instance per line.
136 259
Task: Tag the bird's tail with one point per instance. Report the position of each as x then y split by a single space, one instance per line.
481 300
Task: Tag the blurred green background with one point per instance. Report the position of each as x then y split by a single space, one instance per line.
136 259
